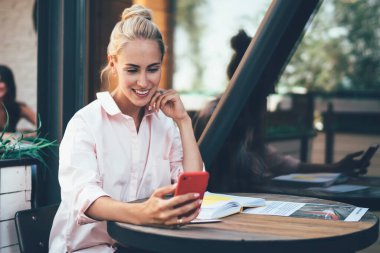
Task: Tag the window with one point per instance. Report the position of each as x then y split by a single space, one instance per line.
340 50
202 44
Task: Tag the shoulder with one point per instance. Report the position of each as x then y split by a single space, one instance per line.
87 115
90 110
22 106
27 113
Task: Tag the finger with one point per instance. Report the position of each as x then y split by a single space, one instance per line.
164 95
363 168
182 199
355 172
365 164
363 171
170 98
193 215
153 101
180 221
183 210
355 154
163 191
167 214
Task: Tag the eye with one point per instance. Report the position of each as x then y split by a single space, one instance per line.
155 69
131 70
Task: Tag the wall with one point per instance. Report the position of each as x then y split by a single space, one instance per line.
18 48
15 195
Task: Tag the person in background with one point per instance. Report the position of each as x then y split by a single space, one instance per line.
245 161
16 110
129 144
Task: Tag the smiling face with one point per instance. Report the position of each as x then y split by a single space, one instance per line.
138 68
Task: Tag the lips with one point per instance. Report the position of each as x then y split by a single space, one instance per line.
141 93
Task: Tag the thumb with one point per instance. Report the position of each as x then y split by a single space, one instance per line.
355 154
162 191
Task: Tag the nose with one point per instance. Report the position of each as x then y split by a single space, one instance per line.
142 81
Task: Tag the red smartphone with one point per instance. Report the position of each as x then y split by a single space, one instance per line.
192 182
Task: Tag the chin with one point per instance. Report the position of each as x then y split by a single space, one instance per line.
141 103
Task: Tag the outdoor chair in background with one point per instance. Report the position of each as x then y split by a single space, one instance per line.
33 228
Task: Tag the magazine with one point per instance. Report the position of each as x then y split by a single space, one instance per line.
221 205
310 210
310 179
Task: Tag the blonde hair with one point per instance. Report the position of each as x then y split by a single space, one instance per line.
136 23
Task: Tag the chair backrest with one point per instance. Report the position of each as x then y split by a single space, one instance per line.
33 228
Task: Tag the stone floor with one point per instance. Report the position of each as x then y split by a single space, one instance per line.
348 143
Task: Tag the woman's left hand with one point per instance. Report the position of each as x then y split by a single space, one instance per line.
170 104
351 166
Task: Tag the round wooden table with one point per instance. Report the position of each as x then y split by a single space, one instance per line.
254 233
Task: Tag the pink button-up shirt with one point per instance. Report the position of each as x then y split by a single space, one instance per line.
102 154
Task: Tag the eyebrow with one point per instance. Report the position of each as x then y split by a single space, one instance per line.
137 66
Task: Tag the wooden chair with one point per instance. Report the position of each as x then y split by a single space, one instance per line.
33 228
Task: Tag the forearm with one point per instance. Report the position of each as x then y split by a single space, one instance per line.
192 160
106 208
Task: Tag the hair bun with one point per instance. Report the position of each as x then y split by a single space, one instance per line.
240 41
136 11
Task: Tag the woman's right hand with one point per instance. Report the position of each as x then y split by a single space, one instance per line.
178 210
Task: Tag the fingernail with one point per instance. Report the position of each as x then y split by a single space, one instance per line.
149 108
200 202
196 195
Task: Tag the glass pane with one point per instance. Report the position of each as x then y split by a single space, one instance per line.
202 42
18 53
340 50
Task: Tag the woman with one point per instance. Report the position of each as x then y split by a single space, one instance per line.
129 144
16 110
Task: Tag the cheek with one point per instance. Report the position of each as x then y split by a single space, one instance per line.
3 87
155 78
125 79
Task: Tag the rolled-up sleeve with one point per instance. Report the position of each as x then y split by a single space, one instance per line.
176 156
79 175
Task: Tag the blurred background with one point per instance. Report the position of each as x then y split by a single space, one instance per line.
336 65
325 104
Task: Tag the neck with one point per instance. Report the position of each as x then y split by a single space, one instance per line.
127 108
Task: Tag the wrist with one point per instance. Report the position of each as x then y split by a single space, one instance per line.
335 167
142 215
183 121
135 217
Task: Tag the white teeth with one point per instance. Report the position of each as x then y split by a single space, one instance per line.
141 92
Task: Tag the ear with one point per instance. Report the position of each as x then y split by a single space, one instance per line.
111 60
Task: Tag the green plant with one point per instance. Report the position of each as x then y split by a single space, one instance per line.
27 144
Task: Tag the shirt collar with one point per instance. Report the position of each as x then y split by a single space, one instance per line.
107 102
110 106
